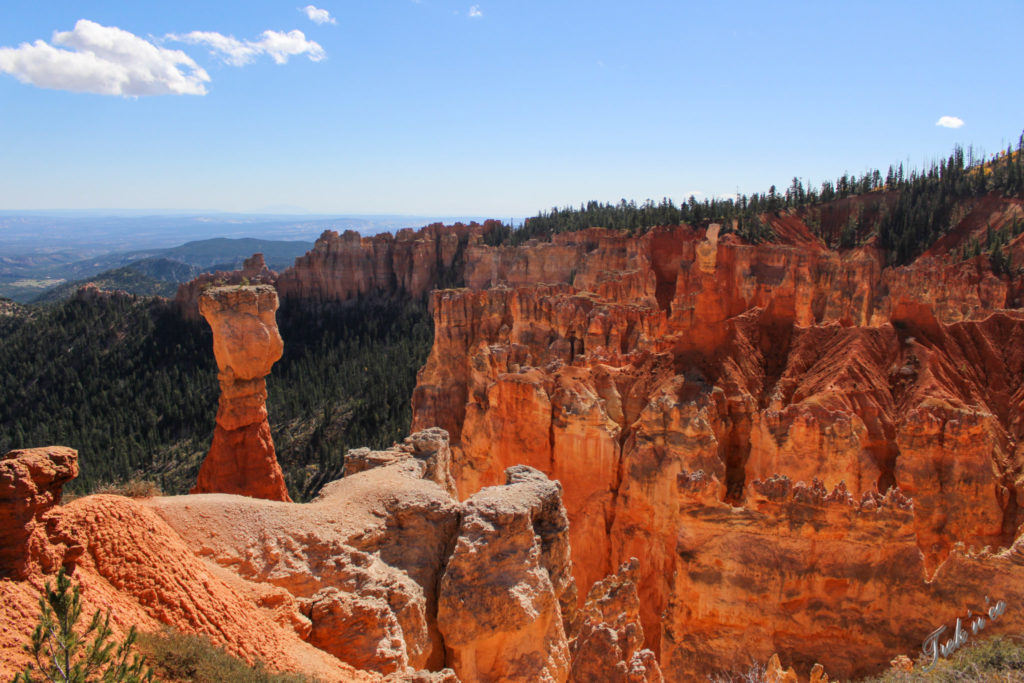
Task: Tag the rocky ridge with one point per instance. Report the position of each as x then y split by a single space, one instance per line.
385 576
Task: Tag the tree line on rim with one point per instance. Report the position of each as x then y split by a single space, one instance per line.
920 214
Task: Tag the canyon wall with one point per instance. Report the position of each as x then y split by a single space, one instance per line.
734 416
808 451
411 262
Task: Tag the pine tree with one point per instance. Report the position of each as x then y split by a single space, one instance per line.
65 656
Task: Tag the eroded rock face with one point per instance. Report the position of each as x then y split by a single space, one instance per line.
657 402
246 344
130 562
392 574
31 485
363 559
507 593
608 645
413 262
812 560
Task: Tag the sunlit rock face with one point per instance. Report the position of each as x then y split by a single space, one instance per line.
411 262
384 576
507 596
246 344
608 645
386 571
628 368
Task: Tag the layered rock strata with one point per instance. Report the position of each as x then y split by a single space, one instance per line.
246 344
411 262
701 356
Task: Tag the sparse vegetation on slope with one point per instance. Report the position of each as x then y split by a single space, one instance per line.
988 660
178 657
65 652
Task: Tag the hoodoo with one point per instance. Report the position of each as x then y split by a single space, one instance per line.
246 344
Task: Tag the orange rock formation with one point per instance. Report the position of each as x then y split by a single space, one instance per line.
246 344
384 572
126 559
810 454
608 643
254 271
31 484
507 597
646 364
413 262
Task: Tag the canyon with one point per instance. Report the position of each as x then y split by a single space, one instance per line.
637 457
735 415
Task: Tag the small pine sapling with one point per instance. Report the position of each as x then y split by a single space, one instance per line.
65 656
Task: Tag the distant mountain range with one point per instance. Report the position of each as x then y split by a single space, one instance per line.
147 272
40 250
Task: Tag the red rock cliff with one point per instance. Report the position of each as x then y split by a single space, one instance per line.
412 262
31 485
679 357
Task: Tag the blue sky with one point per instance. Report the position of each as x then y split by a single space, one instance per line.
484 107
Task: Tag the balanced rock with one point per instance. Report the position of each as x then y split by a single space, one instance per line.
246 344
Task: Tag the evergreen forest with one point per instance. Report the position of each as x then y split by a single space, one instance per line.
133 386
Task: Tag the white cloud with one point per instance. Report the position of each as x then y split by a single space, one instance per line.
278 44
474 12
950 122
104 60
317 15
233 50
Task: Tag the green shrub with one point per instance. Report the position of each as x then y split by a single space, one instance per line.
999 658
179 657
